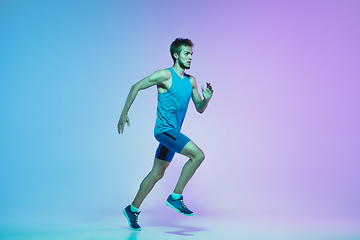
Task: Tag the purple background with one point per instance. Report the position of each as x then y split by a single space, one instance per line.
281 134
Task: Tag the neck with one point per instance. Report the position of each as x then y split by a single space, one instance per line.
179 70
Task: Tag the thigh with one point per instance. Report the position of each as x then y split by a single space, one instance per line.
191 150
173 140
163 153
159 166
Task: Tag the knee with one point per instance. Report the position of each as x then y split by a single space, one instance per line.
200 157
156 175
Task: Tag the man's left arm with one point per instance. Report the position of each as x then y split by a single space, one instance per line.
200 104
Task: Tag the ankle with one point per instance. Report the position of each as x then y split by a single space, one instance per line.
176 196
133 209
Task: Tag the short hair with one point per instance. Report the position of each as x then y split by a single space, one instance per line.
176 46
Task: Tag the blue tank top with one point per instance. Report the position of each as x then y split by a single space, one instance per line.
173 104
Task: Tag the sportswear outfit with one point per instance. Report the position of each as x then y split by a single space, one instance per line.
171 110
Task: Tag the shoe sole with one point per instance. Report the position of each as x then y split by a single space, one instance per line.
170 205
129 222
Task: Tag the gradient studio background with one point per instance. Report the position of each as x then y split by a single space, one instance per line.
281 134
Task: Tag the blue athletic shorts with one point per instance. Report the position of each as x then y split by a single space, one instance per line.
170 142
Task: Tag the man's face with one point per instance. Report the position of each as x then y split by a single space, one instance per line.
185 57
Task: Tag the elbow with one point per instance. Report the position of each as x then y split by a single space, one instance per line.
200 110
135 88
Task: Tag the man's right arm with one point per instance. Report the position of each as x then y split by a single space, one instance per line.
156 78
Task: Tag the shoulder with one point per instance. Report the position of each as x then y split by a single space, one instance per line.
164 73
160 75
192 79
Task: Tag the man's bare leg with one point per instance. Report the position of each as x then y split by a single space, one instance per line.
196 156
150 180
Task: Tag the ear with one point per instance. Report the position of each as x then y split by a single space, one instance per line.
176 55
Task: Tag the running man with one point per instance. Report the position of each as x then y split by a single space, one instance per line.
175 88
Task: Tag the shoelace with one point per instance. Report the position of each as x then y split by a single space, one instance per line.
183 204
136 216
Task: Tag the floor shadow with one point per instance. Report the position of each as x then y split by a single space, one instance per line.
185 230
168 218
